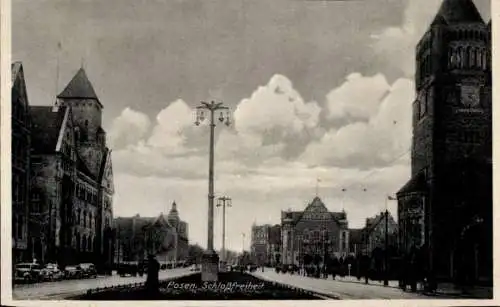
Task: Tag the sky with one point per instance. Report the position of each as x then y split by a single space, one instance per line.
316 89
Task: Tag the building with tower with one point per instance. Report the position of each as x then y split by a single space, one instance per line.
445 209
20 153
72 190
166 237
314 234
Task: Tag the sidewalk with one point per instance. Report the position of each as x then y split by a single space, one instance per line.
444 289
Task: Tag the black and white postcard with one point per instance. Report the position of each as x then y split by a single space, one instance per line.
219 150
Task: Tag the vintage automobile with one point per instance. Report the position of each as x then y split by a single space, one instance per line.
130 268
27 272
88 270
51 272
72 272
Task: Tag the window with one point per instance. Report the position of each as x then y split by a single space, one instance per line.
20 227
422 105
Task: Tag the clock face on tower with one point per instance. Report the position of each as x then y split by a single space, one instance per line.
470 97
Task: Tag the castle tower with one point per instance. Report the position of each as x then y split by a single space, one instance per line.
451 184
86 108
173 216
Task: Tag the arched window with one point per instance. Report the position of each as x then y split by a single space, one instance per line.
84 243
316 235
89 243
78 246
84 219
77 134
79 216
468 57
463 57
484 59
479 58
306 235
472 57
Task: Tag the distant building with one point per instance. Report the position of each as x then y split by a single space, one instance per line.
72 186
356 242
274 249
446 207
313 234
373 234
164 237
259 243
21 143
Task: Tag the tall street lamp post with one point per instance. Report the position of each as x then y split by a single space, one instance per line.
210 261
223 202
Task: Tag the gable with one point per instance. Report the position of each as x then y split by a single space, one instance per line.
107 173
317 211
66 136
19 93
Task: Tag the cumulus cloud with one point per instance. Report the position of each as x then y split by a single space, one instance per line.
276 113
251 161
173 133
358 98
128 128
376 141
397 44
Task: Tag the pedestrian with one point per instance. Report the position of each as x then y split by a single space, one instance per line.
152 280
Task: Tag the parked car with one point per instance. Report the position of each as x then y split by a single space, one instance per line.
88 270
27 272
51 272
128 268
72 272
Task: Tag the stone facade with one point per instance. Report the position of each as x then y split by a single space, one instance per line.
21 143
71 191
164 237
265 245
446 206
259 244
375 230
313 233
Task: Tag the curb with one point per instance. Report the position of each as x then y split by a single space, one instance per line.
321 295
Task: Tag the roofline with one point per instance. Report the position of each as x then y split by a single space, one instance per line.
61 129
95 99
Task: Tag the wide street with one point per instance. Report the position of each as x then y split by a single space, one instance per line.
343 288
61 289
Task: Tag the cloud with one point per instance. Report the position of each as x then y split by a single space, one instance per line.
357 98
175 132
396 45
128 128
276 114
383 136
251 161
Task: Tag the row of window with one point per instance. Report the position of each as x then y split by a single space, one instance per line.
86 194
467 35
84 218
18 188
84 243
423 103
19 153
18 227
468 58
470 137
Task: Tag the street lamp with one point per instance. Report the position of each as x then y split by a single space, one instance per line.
224 202
210 261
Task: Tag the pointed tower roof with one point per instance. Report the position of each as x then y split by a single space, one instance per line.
459 11
79 87
173 212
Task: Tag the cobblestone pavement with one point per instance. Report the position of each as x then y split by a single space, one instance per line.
64 288
340 289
